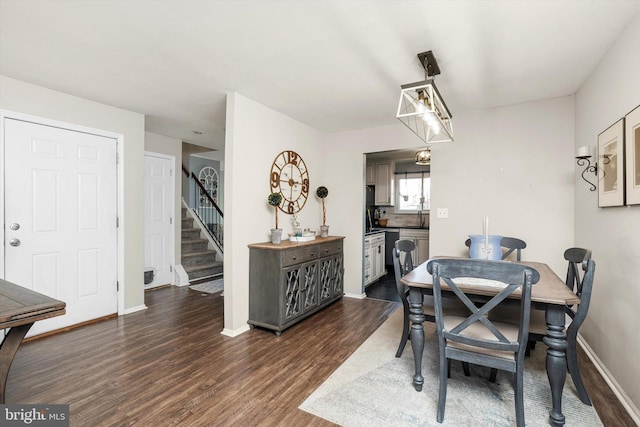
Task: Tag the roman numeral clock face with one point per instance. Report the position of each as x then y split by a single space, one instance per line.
290 178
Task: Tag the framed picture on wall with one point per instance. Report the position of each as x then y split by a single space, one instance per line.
632 155
611 165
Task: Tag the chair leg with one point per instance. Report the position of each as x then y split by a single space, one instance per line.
465 368
530 346
493 375
405 333
519 396
442 391
574 370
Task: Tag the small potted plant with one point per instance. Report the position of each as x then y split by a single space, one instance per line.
322 193
274 200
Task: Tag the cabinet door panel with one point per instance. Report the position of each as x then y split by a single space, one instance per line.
310 285
293 294
325 266
337 275
384 185
422 250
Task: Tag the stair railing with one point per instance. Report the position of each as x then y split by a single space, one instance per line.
207 210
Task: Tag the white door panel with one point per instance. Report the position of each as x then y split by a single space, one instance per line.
158 212
60 187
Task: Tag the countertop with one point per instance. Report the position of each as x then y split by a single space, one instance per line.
286 244
398 227
380 229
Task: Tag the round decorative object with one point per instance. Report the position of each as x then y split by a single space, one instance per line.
290 177
322 192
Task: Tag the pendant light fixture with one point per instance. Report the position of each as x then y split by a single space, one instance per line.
421 107
423 157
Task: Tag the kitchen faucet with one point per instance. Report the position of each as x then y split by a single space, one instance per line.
420 218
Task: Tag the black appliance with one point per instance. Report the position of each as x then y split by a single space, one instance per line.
390 237
370 206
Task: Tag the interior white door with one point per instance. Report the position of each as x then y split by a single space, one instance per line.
60 214
158 214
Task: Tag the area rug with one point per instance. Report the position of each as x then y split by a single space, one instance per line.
211 287
374 388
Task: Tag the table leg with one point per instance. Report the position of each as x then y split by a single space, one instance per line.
416 315
556 341
8 350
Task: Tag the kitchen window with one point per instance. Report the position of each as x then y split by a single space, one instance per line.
411 188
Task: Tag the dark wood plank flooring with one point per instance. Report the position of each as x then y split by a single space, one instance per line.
169 365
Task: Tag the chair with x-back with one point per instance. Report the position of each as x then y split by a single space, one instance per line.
475 338
403 264
510 244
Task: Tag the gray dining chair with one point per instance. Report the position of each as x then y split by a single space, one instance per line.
510 244
582 284
403 264
475 338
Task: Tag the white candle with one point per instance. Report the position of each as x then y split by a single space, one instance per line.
583 151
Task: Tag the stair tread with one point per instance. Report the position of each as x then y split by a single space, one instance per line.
198 267
196 253
193 240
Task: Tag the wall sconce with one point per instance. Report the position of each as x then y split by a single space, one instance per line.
584 158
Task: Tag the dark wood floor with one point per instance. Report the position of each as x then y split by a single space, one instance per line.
169 365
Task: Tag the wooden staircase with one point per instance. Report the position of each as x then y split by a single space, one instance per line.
197 259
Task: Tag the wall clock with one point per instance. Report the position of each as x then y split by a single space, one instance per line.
290 178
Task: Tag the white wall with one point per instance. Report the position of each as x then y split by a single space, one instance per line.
26 98
171 147
613 234
344 172
255 136
513 164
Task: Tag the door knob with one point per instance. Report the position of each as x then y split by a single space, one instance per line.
15 226
14 242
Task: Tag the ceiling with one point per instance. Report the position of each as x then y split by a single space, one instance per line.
334 65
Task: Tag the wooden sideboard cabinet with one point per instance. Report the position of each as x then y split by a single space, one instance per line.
290 281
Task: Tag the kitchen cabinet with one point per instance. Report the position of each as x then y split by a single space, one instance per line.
384 184
290 281
370 175
421 240
374 266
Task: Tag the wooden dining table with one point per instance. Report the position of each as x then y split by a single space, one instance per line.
550 294
20 308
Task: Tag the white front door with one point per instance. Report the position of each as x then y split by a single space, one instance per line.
60 215
158 218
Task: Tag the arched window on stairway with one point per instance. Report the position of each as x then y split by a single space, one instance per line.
208 176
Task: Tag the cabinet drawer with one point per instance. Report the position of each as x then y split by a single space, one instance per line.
377 239
296 256
330 248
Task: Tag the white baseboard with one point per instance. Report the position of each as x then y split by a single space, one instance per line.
356 296
235 332
622 396
182 278
134 309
